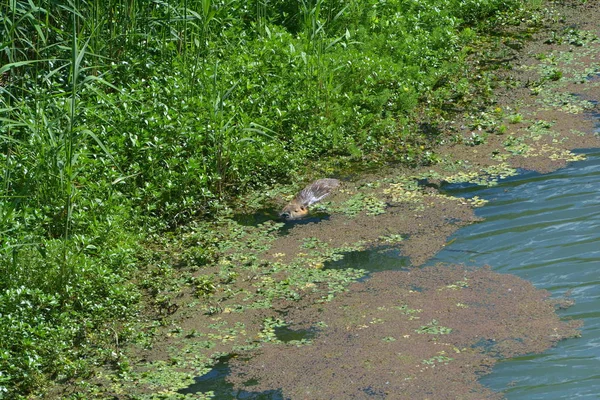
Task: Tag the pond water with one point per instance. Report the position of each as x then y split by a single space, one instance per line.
543 228
546 229
215 382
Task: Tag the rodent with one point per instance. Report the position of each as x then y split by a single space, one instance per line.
316 191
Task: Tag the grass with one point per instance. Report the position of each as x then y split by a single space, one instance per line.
121 117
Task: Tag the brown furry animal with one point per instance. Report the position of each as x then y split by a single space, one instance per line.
316 191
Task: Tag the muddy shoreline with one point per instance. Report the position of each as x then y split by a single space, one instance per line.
371 343
425 332
411 333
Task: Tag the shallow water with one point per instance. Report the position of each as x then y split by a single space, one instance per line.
215 382
546 229
271 214
543 228
378 259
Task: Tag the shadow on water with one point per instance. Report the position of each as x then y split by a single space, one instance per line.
376 259
215 380
271 214
259 217
313 218
287 335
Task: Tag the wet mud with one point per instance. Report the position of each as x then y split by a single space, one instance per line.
409 334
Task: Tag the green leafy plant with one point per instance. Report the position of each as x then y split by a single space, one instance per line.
123 121
434 328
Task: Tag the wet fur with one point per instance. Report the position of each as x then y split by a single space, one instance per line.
315 192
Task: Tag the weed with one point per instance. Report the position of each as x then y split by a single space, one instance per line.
439 359
515 118
553 74
411 312
433 328
457 285
476 139
204 286
360 203
268 332
312 243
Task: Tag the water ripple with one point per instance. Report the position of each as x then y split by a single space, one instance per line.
546 229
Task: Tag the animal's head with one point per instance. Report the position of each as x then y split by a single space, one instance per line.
293 211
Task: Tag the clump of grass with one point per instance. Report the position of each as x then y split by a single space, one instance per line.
515 118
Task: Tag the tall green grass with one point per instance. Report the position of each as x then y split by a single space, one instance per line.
118 115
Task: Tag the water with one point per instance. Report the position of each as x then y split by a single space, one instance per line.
543 228
378 259
214 381
271 214
546 229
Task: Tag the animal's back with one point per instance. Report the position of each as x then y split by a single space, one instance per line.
317 190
